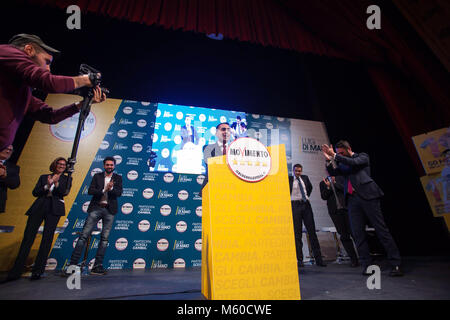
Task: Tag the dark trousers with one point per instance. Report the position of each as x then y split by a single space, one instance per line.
360 211
91 222
302 213
341 222
33 223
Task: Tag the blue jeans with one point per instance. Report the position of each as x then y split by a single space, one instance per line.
91 222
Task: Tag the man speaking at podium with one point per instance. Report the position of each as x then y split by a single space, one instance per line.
219 148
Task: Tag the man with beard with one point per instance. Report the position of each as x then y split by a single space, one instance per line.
219 148
105 188
362 195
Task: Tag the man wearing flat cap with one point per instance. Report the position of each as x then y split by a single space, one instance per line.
25 65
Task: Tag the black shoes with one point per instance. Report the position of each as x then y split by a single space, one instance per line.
98 270
35 276
354 264
396 272
320 263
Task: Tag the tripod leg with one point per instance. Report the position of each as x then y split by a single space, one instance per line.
85 263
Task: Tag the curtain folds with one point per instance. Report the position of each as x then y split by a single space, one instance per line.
329 28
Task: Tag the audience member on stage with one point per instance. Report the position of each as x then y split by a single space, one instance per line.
332 190
219 148
50 191
363 198
25 64
301 188
9 175
105 188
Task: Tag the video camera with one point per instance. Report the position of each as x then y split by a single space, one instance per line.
95 77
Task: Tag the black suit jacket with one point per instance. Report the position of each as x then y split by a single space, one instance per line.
357 169
306 181
57 207
328 194
96 190
12 181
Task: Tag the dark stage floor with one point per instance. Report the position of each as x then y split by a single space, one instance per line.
426 278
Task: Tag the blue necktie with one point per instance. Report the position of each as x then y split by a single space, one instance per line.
301 189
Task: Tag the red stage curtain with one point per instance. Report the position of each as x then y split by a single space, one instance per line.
256 21
331 28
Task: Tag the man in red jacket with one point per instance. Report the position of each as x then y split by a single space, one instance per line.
24 65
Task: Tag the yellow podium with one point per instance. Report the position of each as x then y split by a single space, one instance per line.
248 246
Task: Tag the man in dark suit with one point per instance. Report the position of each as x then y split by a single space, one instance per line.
363 198
9 175
219 148
301 189
332 190
50 191
105 188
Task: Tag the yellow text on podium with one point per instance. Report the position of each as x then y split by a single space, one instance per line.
248 246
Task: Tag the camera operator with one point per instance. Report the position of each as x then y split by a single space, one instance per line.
24 65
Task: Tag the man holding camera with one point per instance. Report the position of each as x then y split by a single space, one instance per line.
24 65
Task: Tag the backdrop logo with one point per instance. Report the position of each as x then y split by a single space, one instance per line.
127 110
85 206
148 193
249 159
165 153
118 159
309 145
157 264
168 177
66 129
122 133
144 225
164 194
121 244
198 245
179 263
127 208
183 195
165 210
200 179
162 244
104 145
141 123
51 264
198 211
137 147
139 263
181 226
96 170
132 175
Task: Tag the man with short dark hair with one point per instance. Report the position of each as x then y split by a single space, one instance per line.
219 148
363 198
105 188
9 175
301 188
25 64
